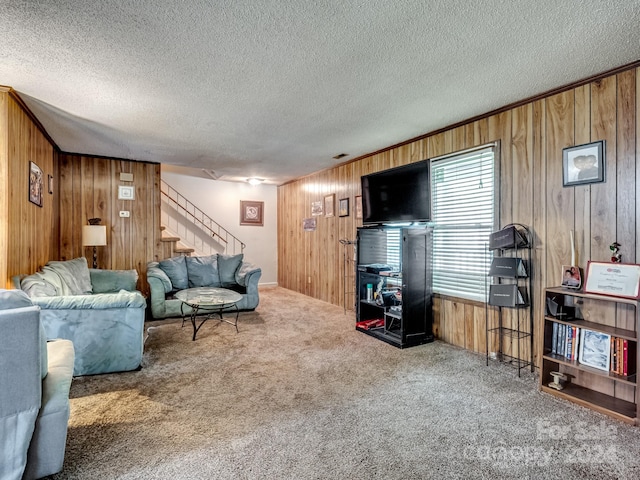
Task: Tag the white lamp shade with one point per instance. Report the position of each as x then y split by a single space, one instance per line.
94 235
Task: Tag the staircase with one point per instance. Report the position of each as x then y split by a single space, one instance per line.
187 229
172 247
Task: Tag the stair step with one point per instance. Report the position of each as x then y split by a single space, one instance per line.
170 239
183 250
162 228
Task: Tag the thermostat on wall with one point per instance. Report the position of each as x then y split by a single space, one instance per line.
126 192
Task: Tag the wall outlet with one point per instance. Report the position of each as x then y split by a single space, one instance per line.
124 213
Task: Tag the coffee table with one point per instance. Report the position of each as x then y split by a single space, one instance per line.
208 301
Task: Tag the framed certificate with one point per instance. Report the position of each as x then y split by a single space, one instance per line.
617 279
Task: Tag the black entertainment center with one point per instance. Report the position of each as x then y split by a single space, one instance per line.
393 257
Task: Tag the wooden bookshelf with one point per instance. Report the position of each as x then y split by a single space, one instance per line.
602 390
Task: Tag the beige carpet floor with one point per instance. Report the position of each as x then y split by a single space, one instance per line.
299 394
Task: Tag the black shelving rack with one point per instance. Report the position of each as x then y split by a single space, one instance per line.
509 292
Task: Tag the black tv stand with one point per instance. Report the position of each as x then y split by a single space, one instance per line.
393 284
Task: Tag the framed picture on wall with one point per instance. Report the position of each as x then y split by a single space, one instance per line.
343 207
329 202
36 184
583 164
251 213
358 206
316 208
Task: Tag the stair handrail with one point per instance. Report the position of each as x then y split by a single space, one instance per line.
198 217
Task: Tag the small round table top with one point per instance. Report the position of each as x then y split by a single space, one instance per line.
208 297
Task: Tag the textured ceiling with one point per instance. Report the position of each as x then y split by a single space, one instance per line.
275 89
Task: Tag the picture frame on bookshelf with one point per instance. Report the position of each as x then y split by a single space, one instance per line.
595 349
616 279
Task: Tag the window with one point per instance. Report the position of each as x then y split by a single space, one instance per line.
463 209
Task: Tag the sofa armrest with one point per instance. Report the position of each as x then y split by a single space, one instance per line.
99 301
248 275
112 281
153 271
21 392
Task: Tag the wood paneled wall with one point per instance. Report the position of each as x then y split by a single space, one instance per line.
83 187
532 136
89 189
28 233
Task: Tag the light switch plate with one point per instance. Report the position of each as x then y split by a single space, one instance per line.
124 213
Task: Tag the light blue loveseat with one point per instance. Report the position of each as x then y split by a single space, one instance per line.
35 378
178 273
100 311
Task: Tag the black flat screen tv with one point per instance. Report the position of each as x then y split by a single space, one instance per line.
400 194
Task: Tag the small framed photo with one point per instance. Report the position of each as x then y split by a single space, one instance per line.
251 213
595 349
126 192
571 277
309 224
316 208
329 201
343 207
36 184
358 206
583 164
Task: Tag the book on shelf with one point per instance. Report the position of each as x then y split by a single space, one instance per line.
623 356
565 340
507 295
512 267
509 237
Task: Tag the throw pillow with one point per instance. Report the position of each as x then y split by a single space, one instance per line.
176 270
37 286
227 266
74 275
203 271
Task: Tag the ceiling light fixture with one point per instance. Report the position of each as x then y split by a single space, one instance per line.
255 181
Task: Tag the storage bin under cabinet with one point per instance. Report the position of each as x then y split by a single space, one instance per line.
600 389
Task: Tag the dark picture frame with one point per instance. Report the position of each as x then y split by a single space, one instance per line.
343 207
583 164
251 213
36 184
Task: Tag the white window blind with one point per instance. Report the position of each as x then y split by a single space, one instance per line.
463 203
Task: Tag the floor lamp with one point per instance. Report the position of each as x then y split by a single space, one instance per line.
94 235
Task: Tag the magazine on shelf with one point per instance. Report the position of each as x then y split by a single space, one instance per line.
509 237
511 267
595 349
507 295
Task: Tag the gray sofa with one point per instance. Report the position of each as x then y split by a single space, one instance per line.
100 311
35 376
178 273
